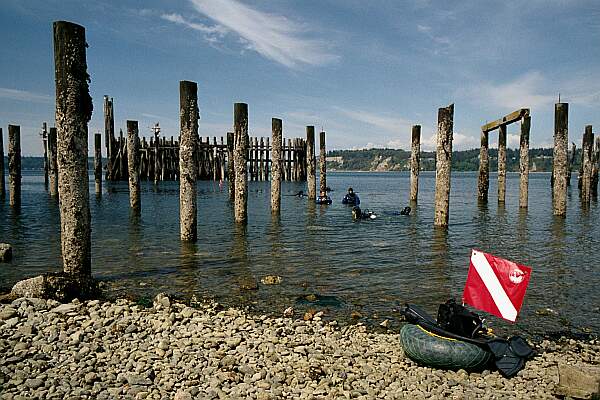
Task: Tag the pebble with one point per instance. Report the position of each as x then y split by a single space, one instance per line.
90 350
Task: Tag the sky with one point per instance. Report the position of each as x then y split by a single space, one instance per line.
363 71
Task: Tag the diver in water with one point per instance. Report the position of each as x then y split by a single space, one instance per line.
300 194
351 198
323 198
358 214
406 211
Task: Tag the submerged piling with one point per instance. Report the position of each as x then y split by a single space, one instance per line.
45 145
73 112
133 165
415 162
443 165
98 163
240 158
502 164
311 162
2 184
587 161
52 163
14 164
524 162
188 166
276 130
483 183
560 158
322 163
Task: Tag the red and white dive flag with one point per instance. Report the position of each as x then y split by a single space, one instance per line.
496 285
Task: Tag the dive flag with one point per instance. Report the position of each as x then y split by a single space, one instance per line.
496 285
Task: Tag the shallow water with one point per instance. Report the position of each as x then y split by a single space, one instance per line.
369 267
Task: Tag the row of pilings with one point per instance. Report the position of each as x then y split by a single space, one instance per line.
69 148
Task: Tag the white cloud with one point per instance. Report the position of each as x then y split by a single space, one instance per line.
22 95
179 19
272 36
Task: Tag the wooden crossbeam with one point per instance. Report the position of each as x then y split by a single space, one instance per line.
508 119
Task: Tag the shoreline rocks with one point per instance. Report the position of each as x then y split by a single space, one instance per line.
105 350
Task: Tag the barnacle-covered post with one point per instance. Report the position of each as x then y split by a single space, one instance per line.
502 164
560 158
311 162
230 166
443 165
276 129
52 163
322 163
133 165
415 161
524 162
587 160
2 184
14 165
483 184
240 159
188 167
73 112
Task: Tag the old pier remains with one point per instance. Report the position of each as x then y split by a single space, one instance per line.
415 162
98 163
52 163
2 184
443 165
322 164
133 166
189 115
277 131
311 163
73 112
14 164
560 159
240 154
586 164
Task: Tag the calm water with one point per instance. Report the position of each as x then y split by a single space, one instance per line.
370 267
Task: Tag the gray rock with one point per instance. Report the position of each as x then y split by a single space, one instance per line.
64 308
34 383
7 313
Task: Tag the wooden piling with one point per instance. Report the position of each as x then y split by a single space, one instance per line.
230 165
240 154
133 165
73 112
560 158
109 136
596 160
52 163
157 148
443 165
45 145
483 184
311 162
571 163
14 165
276 130
322 164
524 162
588 157
188 167
415 162
2 183
502 163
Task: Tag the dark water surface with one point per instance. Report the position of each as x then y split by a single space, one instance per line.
369 267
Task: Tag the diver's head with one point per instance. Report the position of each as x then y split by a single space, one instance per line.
350 190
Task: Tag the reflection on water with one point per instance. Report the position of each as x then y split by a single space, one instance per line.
319 251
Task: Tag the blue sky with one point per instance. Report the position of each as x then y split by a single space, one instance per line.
365 71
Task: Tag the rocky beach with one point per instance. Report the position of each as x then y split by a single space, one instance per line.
120 349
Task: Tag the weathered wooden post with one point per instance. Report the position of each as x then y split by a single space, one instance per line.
109 136
98 163
311 163
133 166
240 154
2 184
443 165
14 164
276 130
524 162
157 147
588 156
73 112
483 183
230 166
322 164
571 162
188 167
502 163
45 144
560 158
415 162
596 160
52 163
